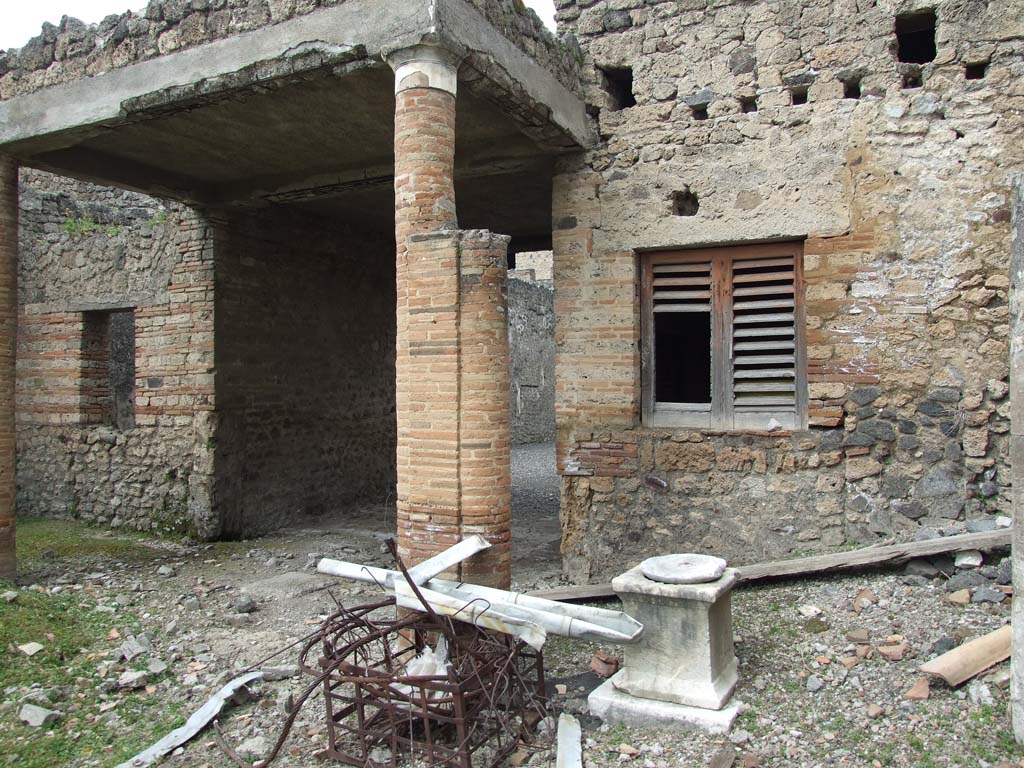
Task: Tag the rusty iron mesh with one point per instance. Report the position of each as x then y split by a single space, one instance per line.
480 711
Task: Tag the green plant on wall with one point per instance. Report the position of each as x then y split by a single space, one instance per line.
85 225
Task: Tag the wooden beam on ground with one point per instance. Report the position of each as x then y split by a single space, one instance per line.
889 554
970 659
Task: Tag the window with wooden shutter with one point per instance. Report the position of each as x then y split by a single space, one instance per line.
723 338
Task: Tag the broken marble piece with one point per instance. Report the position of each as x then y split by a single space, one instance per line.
683 569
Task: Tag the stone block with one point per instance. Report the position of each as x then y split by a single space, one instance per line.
612 705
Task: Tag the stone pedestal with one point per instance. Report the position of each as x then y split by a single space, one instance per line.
685 654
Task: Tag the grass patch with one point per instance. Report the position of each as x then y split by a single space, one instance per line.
75 640
44 544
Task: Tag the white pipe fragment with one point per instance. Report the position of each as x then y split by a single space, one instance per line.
438 564
547 616
505 618
367 574
197 722
584 622
570 748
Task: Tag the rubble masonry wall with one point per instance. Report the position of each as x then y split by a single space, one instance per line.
87 247
305 317
901 197
531 332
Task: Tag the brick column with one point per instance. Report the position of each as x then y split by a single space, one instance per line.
454 475
425 88
8 339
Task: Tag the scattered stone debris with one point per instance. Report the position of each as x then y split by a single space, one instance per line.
31 649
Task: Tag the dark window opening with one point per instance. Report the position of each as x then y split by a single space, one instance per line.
915 37
685 203
748 104
976 71
798 95
912 79
700 111
108 368
619 86
851 88
682 357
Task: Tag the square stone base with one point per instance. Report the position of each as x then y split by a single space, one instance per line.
613 706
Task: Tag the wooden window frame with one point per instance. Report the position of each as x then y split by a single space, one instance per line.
720 415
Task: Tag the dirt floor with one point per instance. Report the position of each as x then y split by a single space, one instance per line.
815 692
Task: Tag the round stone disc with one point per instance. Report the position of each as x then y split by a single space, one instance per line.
683 569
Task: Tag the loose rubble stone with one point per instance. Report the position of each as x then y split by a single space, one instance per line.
970 559
961 597
273 674
36 717
980 695
31 649
893 652
132 679
919 691
245 603
9 597
965 580
987 594
255 747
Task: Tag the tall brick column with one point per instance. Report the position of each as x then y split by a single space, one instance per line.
452 384
8 339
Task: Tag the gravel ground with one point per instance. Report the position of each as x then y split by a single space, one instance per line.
813 697
816 691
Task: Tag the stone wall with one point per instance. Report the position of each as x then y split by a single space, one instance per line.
792 121
305 368
85 250
1017 443
531 332
73 50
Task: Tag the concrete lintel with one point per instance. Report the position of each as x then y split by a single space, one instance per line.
459 21
373 24
62 115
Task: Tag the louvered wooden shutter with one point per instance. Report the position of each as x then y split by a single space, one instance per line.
764 341
682 287
753 298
